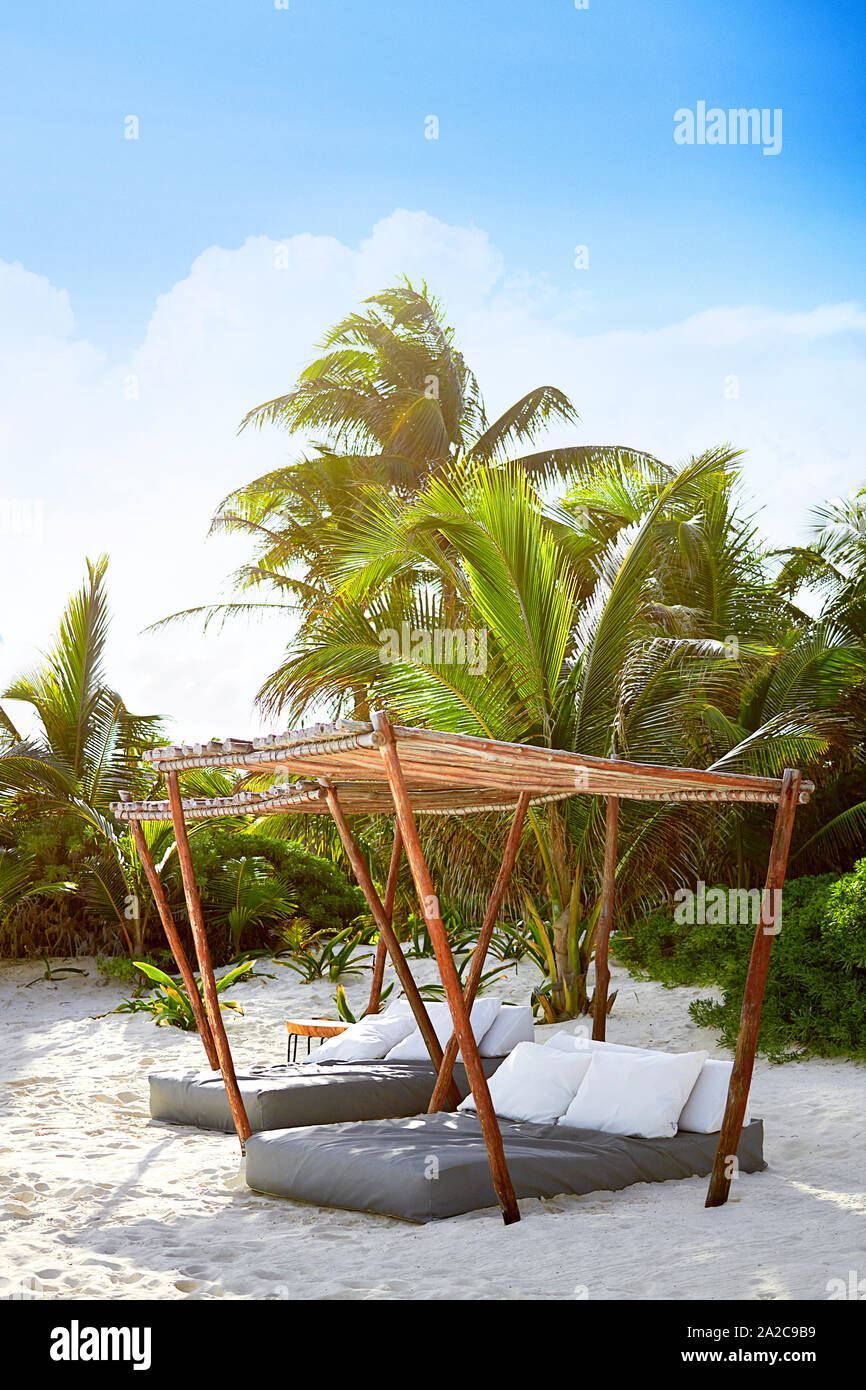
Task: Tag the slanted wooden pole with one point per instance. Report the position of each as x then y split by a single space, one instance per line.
429 903
753 995
174 941
381 948
479 955
401 965
205 965
605 920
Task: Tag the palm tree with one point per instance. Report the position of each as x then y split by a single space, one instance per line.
392 386
85 752
20 879
633 616
398 407
589 646
833 569
834 565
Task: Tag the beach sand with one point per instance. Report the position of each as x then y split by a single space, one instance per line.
97 1201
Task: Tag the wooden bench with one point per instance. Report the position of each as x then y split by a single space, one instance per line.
310 1028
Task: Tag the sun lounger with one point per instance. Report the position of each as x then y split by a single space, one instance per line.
428 1167
310 1093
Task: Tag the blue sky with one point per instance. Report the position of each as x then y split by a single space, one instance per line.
153 290
555 129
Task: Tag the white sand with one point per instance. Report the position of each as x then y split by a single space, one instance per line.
96 1201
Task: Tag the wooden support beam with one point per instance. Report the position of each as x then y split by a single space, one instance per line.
381 948
753 995
429 903
605 920
174 941
401 966
205 965
479 955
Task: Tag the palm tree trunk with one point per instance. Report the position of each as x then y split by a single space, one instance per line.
560 899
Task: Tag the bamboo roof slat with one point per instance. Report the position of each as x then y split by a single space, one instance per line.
445 773
358 800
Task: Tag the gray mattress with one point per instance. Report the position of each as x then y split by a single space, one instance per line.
434 1166
308 1093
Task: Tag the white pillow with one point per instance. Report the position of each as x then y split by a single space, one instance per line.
641 1094
580 1042
534 1084
367 1041
399 1008
703 1111
705 1108
413 1047
510 1027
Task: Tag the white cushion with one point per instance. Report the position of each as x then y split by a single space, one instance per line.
534 1084
579 1042
413 1047
705 1107
704 1110
367 1041
401 1008
511 1026
641 1094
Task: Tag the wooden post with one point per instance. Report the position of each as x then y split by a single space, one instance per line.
404 974
175 943
381 948
605 920
479 955
753 995
429 903
205 966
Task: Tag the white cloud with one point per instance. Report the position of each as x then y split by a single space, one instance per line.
132 457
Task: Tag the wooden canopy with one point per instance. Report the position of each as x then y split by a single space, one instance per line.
445 774
376 768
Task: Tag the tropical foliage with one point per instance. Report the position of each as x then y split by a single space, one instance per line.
70 875
398 406
816 988
170 1004
814 1002
612 604
339 956
230 863
456 572
58 780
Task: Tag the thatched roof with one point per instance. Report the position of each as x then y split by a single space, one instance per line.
446 774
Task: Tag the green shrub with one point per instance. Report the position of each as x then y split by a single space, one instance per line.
319 891
169 1004
815 998
331 959
844 927
658 947
128 971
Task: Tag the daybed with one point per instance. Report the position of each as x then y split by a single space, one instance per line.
576 1115
313 1093
374 1070
434 1166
